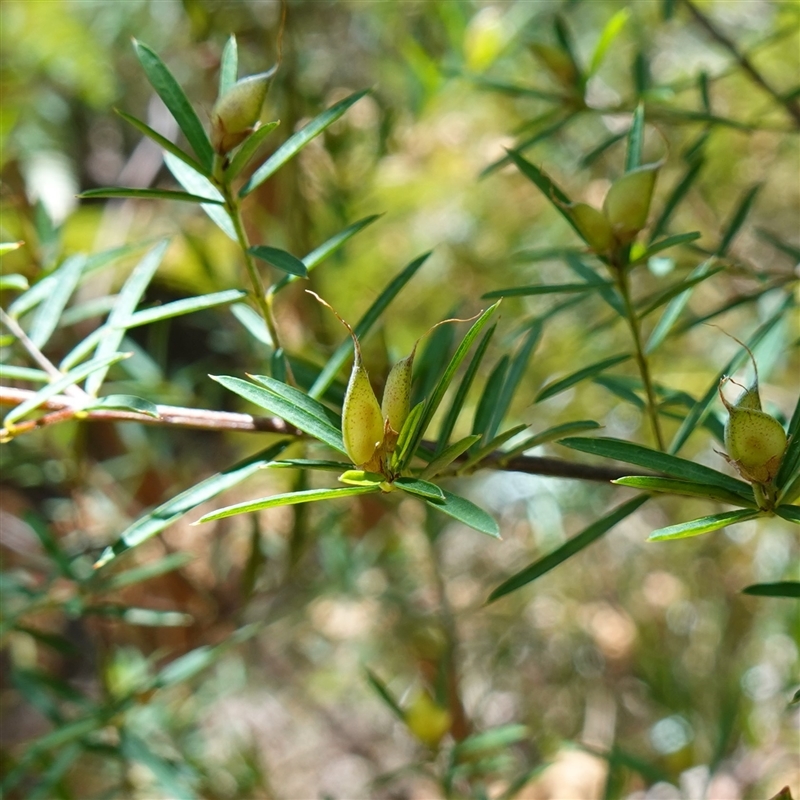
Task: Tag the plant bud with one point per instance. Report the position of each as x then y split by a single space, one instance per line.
396 400
627 203
362 421
592 226
755 442
428 721
237 111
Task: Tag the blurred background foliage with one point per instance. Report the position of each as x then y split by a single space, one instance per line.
228 661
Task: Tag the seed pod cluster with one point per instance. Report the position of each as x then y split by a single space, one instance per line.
755 441
235 113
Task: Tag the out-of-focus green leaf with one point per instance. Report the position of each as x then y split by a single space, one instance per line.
421 488
8 247
200 186
129 297
674 199
280 259
737 219
163 142
790 250
49 313
136 575
608 293
228 65
164 515
664 244
364 325
186 306
253 323
491 391
176 101
309 463
594 154
525 144
633 155
461 395
295 143
789 512
662 298
555 387
288 499
147 194
380 689
464 511
495 444
10 372
554 288
568 549
249 149
609 34
686 489
791 458
550 435
71 378
779 589
448 455
658 462
702 525
478 744
123 402
13 282
293 413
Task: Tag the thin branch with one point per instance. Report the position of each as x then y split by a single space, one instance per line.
65 408
743 61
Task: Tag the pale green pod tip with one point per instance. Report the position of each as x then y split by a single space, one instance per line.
237 111
627 204
396 401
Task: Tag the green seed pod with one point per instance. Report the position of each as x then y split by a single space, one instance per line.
755 442
237 111
362 420
627 203
396 400
592 225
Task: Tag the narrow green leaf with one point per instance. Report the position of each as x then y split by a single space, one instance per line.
556 387
48 315
298 398
675 198
123 402
737 219
421 488
148 194
658 462
789 513
460 397
292 413
10 372
550 435
326 249
291 498
134 615
82 349
464 511
51 544
309 463
229 65
186 306
131 577
633 156
790 250
403 453
129 297
547 187
382 692
480 744
664 244
164 515
176 101
279 259
526 144
436 352
8 247
791 458
249 149
298 141
91 309
14 282
608 293
686 489
662 298
675 308
253 323
198 185
364 325
610 32
164 143
790 491
554 288
444 382
696 415
594 154
491 391
568 549
779 589
702 525
495 444
71 378
448 456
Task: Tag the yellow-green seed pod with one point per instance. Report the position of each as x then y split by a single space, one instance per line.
627 203
362 421
755 442
427 720
592 225
237 111
396 400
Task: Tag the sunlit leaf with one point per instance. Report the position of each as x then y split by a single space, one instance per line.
685 488
186 306
609 34
421 488
228 65
13 282
280 259
249 149
702 525
123 402
464 511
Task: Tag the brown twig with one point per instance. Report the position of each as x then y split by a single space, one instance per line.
65 408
